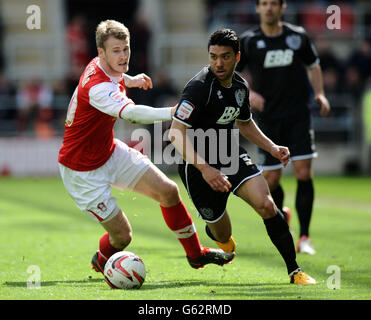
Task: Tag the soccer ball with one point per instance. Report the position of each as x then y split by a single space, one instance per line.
125 270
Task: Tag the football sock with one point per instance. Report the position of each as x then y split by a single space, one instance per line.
280 235
180 222
304 204
278 195
106 250
229 246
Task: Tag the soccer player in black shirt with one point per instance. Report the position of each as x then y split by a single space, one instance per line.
279 57
211 103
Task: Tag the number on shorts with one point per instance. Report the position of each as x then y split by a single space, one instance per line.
246 158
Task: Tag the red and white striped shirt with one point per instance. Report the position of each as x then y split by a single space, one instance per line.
93 110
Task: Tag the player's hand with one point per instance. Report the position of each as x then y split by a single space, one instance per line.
324 104
141 81
281 153
257 101
173 110
216 179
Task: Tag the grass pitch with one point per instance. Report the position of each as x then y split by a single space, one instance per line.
41 229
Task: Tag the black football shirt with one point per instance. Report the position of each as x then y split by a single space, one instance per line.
277 66
211 110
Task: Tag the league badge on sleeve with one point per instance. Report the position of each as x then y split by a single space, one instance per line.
117 96
184 111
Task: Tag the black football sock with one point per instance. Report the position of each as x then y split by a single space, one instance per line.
278 195
280 235
304 204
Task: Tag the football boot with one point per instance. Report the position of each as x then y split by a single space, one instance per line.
299 277
210 255
96 265
305 246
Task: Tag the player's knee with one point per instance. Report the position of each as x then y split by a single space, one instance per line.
303 171
169 194
266 208
303 174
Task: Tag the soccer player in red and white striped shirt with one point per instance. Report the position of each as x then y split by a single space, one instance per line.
91 160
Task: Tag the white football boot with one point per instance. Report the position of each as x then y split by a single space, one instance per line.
305 246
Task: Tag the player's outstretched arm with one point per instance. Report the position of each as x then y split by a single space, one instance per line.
145 114
108 99
252 133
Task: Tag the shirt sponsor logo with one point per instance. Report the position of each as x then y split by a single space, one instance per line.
184 111
278 58
229 114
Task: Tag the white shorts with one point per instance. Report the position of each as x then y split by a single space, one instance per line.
91 190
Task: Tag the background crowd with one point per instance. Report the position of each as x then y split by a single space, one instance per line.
33 107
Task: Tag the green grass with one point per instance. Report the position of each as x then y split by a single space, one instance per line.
41 226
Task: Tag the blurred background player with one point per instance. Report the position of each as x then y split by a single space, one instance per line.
91 160
280 58
34 100
211 103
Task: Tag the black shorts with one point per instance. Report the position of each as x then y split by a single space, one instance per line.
296 133
211 204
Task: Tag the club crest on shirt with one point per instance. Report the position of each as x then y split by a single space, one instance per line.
240 95
184 111
293 41
260 44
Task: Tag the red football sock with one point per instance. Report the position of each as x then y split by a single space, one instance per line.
106 250
180 222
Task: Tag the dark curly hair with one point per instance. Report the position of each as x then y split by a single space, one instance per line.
225 37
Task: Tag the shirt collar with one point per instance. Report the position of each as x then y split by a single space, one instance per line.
113 78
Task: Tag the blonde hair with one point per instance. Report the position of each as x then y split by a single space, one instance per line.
109 28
